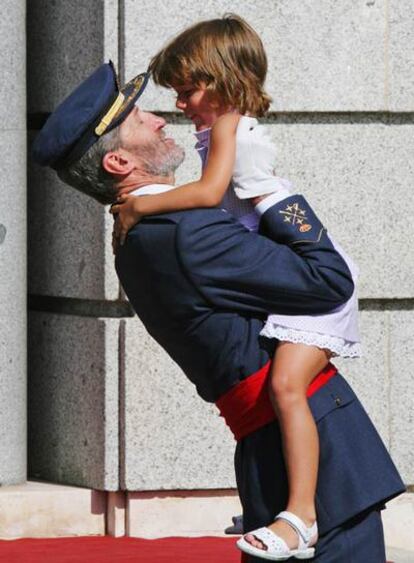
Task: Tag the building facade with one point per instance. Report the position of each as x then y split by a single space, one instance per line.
105 407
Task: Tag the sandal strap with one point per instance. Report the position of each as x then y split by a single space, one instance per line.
305 534
273 542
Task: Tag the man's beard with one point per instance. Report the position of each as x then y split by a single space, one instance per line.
161 158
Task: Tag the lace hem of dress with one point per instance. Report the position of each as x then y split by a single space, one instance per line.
335 344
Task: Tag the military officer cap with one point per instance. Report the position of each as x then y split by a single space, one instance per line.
93 109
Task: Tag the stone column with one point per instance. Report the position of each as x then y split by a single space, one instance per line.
73 290
13 244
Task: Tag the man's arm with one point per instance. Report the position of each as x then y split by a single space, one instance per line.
238 270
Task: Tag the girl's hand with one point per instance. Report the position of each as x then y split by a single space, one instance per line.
126 213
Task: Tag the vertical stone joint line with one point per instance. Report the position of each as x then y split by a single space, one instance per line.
121 404
386 56
388 374
121 73
121 40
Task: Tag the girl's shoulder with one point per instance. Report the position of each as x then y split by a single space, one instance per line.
226 123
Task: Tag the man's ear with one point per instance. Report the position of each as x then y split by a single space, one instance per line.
117 164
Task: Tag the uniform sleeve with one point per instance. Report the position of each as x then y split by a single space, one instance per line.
239 270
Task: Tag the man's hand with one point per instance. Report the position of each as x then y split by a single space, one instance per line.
258 199
126 214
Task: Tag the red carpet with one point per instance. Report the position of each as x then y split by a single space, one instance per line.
120 550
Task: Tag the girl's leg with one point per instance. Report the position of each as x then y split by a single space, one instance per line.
293 368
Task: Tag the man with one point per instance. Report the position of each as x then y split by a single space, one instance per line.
203 285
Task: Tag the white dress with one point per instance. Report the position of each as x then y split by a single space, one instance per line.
336 331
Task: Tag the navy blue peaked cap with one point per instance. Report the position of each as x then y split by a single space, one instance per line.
94 108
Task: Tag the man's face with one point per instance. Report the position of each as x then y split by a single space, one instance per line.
141 127
142 135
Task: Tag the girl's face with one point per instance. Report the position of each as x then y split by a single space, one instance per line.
197 105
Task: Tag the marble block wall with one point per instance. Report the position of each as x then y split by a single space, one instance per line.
13 287
107 407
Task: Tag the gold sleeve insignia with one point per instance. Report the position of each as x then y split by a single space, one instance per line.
296 216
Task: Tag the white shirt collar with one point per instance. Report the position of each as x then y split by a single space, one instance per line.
153 189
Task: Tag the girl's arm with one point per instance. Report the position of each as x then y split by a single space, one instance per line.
208 191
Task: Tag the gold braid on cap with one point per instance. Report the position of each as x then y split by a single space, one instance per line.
110 114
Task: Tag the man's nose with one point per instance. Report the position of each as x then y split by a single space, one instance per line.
159 122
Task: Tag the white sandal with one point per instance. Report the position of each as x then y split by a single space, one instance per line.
277 549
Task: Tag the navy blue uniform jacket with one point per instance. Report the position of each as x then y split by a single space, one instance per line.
203 285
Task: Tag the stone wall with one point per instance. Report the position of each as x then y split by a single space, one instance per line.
13 286
107 408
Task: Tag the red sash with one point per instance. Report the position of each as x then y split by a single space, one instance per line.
246 407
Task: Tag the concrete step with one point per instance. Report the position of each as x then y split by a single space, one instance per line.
40 510
400 555
37 509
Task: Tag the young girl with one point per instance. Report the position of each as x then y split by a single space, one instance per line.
218 69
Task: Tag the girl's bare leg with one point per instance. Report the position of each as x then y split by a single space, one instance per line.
293 368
